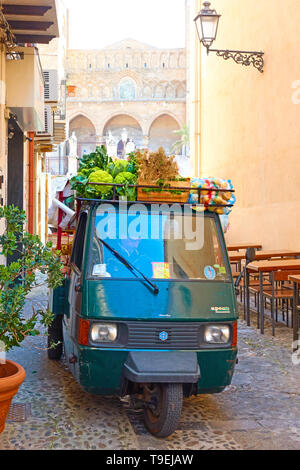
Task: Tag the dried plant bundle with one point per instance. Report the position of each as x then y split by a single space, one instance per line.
156 167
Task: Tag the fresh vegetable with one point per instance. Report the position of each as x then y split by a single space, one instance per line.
117 167
88 171
98 159
126 179
78 184
99 176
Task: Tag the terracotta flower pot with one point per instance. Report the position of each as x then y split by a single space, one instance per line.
12 375
71 90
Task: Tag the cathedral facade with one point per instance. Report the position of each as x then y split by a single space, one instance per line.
126 94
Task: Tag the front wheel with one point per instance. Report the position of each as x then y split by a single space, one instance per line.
163 405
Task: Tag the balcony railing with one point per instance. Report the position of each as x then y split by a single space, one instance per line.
61 166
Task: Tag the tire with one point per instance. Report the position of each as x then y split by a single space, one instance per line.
163 420
55 335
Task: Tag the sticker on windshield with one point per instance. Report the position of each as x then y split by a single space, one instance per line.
209 273
161 270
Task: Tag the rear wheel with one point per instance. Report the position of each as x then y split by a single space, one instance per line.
55 336
163 405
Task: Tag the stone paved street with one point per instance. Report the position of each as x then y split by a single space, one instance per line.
260 410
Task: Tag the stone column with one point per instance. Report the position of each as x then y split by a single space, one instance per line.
145 141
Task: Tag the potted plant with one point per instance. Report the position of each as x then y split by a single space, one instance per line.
17 279
158 170
71 90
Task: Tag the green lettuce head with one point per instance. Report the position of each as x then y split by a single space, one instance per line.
126 179
100 176
119 166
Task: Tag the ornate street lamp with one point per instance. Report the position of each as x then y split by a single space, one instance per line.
207 22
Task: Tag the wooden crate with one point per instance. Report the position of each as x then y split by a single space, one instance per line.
165 195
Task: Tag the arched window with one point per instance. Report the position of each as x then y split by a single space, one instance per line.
127 89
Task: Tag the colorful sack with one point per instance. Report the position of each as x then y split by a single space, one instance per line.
213 200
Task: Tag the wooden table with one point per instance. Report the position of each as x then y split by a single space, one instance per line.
296 280
243 246
262 267
236 256
265 255
268 254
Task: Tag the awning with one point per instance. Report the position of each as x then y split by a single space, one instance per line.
32 21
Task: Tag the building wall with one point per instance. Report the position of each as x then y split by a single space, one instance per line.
3 131
3 121
194 83
103 80
250 121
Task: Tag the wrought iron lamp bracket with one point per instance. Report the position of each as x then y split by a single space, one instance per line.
245 58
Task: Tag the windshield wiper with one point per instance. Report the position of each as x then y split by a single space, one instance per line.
130 266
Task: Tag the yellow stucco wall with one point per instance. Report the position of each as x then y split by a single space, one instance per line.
250 124
3 121
194 70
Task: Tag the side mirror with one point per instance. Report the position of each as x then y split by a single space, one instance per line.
250 255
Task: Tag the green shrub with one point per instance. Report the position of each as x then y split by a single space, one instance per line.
18 278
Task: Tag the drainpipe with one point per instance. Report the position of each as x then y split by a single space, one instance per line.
31 182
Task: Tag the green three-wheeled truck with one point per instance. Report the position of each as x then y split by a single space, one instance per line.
146 310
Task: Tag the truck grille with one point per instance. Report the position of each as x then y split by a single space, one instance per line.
142 335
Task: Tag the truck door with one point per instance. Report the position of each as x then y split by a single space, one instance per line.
75 294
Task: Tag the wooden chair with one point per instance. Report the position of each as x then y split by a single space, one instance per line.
282 294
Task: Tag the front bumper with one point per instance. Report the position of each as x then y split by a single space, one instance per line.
102 371
157 367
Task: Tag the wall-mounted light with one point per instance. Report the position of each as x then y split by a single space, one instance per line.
207 22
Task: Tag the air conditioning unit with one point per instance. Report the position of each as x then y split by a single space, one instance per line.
51 86
48 123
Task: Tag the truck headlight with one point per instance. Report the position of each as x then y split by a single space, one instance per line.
104 332
217 334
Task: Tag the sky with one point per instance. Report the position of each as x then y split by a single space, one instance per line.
95 24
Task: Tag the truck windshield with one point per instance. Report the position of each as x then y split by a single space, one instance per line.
161 246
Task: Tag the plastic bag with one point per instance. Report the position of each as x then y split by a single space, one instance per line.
213 199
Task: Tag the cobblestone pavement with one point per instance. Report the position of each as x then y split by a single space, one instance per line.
260 410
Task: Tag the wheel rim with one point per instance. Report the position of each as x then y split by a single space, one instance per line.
153 402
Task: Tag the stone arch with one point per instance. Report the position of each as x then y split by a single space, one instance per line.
107 92
166 112
116 124
85 132
159 91
161 132
147 92
180 91
170 92
127 89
